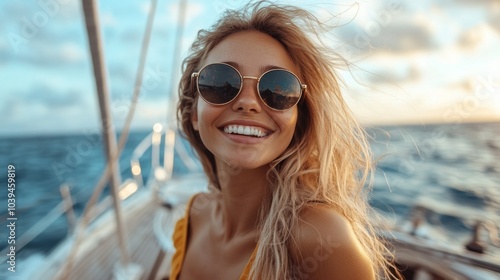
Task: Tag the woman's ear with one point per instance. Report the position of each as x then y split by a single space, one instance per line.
194 120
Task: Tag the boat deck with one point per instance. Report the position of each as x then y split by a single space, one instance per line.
100 252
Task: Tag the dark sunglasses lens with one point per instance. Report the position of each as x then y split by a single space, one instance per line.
218 83
280 89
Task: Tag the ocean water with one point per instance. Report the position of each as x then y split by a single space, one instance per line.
451 170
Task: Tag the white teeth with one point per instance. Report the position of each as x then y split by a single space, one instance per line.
244 130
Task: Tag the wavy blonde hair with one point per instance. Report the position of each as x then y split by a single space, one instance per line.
328 160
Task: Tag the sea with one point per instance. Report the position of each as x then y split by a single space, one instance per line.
450 170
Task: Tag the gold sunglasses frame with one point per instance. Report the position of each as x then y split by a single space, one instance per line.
194 75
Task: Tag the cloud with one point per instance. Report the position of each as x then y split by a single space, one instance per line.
131 36
394 75
404 37
400 34
71 53
419 26
44 107
120 71
46 53
42 98
50 98
477 36
39 14
193 10
109 20
477 3
494 16
42 34
221 5
490 7
17 10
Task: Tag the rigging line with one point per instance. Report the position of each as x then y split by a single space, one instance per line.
175 61
139 75
123 137
169 150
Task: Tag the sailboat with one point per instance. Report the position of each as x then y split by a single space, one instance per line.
127 235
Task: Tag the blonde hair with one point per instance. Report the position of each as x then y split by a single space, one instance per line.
328 160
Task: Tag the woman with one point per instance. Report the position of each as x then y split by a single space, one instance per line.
285 159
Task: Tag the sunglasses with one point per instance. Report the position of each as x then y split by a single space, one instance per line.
220 83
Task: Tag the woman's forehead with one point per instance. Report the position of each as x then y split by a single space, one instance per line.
251 51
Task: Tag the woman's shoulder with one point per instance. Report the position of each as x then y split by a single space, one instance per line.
201 205
324 246
320 220
199 202
321 226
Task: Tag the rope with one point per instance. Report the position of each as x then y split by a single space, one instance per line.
177 54
123 138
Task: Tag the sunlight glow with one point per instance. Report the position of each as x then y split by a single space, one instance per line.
157 127
129 188
136 169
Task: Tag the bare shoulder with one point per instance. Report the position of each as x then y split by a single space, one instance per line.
200 205
324 246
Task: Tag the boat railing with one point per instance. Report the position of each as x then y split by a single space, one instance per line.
160 172
65 207
127 188
481 227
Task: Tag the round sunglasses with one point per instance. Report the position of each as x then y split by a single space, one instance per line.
220 83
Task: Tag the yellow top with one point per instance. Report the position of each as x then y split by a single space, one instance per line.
180 241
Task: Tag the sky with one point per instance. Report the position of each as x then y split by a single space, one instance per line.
410 61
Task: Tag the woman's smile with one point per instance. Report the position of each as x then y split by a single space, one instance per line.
245 130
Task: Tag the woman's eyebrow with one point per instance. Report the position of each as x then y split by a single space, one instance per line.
261 69
232 63
270 67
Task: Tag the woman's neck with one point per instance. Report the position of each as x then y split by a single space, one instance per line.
243 193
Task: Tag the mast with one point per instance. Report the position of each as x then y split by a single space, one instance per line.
91 12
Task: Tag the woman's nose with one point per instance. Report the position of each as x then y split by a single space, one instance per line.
248 100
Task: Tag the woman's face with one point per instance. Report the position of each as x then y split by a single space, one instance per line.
252 53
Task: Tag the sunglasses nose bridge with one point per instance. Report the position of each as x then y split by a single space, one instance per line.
248 97
256 79
250 77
